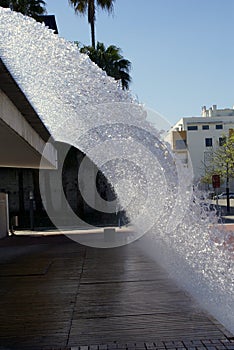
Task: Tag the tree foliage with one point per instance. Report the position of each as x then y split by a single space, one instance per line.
89 7
31 8
110 60
222 162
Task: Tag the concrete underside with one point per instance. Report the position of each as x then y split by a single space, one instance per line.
58 294
16 152
23 135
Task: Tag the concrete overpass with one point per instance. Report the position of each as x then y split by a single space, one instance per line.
22 135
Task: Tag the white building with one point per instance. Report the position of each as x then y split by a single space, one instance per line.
195 138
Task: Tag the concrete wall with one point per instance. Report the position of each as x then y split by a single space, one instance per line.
9 183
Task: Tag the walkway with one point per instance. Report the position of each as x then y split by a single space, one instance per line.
57 294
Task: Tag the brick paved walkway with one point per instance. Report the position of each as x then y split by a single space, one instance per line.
57 294
207 344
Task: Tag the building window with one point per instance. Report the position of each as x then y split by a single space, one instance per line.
205 127
222 141
208 142
192 127
180 144
218 126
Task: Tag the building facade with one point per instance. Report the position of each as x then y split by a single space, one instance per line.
23 138
194 139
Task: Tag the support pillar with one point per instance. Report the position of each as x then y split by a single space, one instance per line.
4 215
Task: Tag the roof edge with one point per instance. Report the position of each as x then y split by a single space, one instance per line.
10 87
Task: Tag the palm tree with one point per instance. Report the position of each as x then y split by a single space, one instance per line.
110 60
31 8
83 6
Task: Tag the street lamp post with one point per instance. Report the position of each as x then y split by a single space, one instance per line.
227 190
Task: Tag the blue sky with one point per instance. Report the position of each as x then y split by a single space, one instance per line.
182 51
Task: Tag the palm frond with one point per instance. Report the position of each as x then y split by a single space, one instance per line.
111 61
80 6
31 8
106 5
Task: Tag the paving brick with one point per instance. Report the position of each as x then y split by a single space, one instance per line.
216 341
150 346
178 343
206 341
225 341
197 342
188 343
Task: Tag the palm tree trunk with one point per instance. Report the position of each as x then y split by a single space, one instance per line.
91 20
92 34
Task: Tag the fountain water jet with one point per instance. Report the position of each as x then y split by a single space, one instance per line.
81 105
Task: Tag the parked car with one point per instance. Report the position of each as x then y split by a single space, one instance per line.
223 195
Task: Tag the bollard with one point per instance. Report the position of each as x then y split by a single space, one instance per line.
109 234
14 223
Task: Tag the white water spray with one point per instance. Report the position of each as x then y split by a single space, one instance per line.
81 106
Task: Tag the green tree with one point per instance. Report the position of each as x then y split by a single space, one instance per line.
89 6
31 8
110 60
222 163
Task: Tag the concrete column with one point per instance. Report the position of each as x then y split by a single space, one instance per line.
4 215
